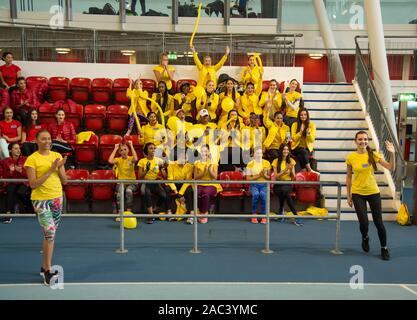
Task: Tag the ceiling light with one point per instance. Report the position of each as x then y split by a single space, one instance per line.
316 56
63 50
128 52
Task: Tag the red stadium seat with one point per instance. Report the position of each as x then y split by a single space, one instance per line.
101 89
58 88
75 115
180 82
136 145
232 189
39 85
33 80
149 85
103 191
265 85
120 87
94 116
85 153
47 113
307 193
117 117
76 191
106 146
80 90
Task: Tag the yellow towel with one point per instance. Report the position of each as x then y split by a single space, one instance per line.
84 136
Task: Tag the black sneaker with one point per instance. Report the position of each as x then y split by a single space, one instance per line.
42 271
385 254
150 220
365 244
7 220
47 277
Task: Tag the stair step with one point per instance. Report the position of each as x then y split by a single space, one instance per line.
337 114
328 87
322 95
340 176
344 124
343 144
328 133
332 203
324 154
332 105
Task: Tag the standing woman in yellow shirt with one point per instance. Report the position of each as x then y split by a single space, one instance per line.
149 169
206 169
292 101
363 188
164 99
303 133
252 73
124 168
207 71
231 143
258 170
156 133
135 92
46 174
278 133
211 102
164 72
271 98
183 100
249 102
284 171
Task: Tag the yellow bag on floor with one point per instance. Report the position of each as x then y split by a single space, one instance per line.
403 216
129 223
319 212
181 208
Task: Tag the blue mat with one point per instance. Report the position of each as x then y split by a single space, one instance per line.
231 251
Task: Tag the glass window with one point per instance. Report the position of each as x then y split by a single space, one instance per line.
4 5
254 9
40 5
399 12
106 7
298 12
154 8
210 8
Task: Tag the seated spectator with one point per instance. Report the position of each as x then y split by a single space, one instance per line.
292 100
32 127
22 100
271 98
165 101
252 73
183 100
155 133
249 102
138 100
226 107
164 72
149 169
253 134
10 131
303 134
13 169
62 134
124 168
4 101
258 170
178 131
284 170
182 170
9 72
211 101
202 133
278 133
206 169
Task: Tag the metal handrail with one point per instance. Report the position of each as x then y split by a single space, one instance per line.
195 216
400 161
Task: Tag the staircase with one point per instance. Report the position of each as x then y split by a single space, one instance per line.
337 113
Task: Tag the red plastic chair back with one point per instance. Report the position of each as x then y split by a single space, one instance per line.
307 193
120 87
80 89
182 81
94 117
136 145
85 153
149 85
117 117
101 89
58 88
76 191
103 191
106 145
265 85
230 176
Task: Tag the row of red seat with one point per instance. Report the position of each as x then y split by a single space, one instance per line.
94 116
79 191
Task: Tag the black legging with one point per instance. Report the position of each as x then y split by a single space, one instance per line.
15 192
188 196
142 5
302 155
374 200
162 193
284 194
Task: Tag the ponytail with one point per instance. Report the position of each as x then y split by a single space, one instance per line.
371 159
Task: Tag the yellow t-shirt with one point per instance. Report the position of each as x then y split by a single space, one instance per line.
178 172
156 134
364 182
52 187
292 97
125 168
253 168
187 107
200 166
154 164
165 75
286 176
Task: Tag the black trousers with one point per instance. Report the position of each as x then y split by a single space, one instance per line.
284 195
188 196
142 5
16 192
161 192
302 155
374 200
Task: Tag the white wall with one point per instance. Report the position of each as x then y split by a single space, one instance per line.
113 71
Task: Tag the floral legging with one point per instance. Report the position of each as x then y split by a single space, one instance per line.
49 215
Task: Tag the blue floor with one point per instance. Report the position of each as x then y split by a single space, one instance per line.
231 252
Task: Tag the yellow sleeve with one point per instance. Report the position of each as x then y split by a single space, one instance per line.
171 177
263 99
295 136
377 156
267 122
220 63
154 108
312 137
275 163
256 75
197 61
30 162
189 176
267 165
348 161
